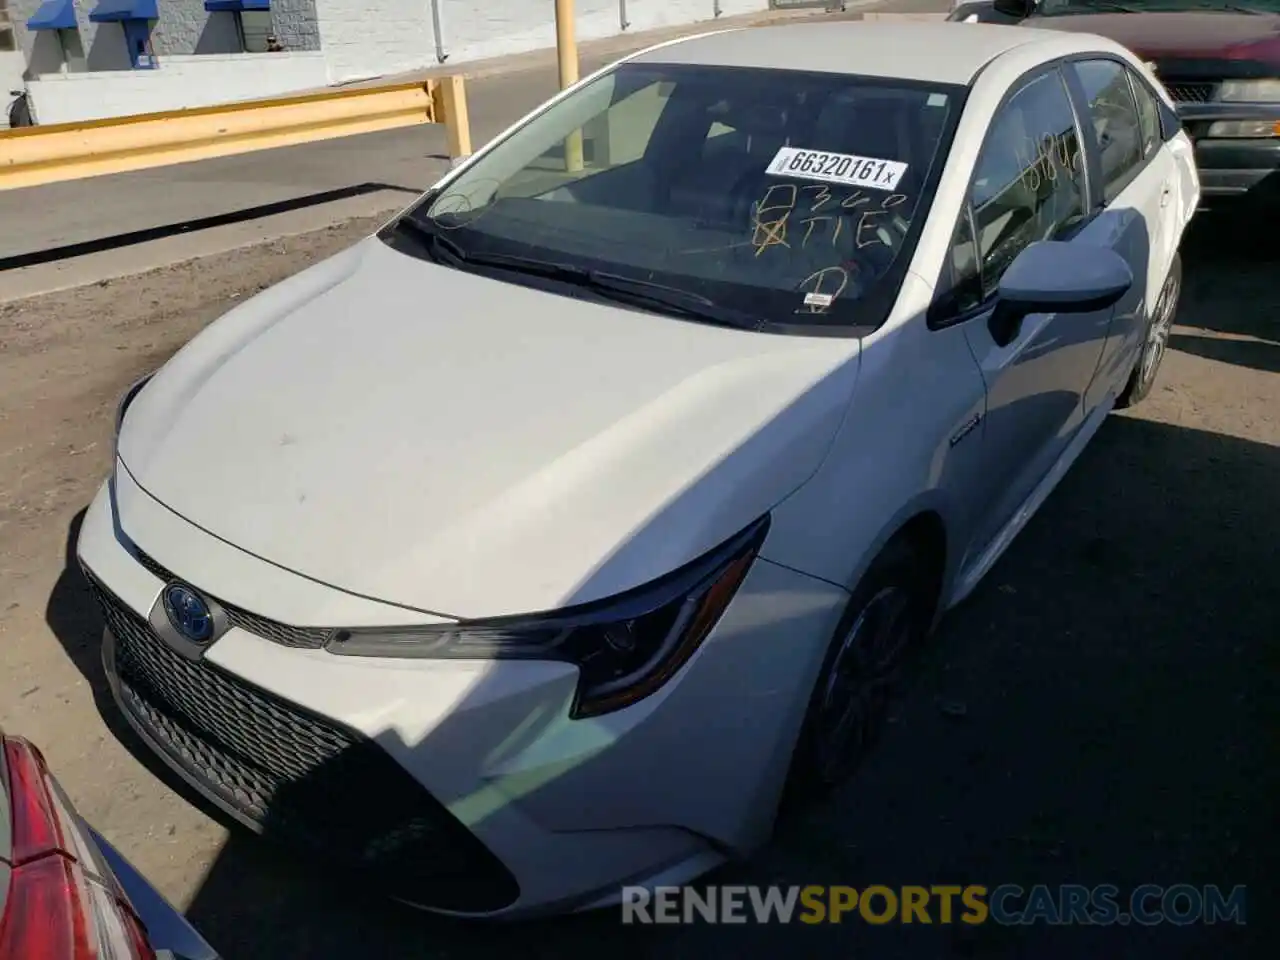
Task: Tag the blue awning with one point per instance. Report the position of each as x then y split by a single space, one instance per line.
113 11
54 15
236 6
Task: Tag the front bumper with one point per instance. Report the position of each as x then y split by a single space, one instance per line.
459 786
1238 168
1233 167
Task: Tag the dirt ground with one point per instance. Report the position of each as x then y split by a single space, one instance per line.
1105 709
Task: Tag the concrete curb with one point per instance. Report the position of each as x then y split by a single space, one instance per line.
106 266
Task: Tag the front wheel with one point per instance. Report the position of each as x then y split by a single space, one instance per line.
1143 377
889 611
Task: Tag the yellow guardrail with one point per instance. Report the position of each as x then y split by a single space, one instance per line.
30 156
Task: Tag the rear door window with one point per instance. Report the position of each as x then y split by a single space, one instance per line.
1116 122
1148 115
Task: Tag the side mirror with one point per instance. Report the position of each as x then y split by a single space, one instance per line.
1015 8
1053 276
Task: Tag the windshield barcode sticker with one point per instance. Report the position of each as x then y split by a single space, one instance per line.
843 168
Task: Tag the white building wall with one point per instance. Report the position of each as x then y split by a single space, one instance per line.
370 38
182 82
650 14
12 67
351 40
474 31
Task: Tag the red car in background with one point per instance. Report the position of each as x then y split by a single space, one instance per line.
1220 62
67 894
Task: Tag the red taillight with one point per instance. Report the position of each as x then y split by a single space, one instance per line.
35 825
60 906
41 918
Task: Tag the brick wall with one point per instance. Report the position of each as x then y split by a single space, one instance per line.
295 24
184 28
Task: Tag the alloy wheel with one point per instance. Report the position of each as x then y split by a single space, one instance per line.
860 683
1158 332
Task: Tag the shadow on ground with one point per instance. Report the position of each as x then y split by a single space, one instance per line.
165 231
1230 292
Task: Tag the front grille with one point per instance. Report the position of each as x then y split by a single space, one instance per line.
298 777
307 638
1192 91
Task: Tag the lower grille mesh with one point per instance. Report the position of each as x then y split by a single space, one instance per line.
296 776
1191 91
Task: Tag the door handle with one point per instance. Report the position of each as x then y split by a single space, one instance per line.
1166 195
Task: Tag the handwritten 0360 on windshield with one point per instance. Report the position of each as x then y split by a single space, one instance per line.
820 214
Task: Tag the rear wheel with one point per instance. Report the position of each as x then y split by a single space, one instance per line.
889 612
1143 377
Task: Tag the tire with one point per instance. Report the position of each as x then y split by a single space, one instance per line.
888 614
1155 340
20 112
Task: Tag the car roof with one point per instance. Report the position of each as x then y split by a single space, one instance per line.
938 52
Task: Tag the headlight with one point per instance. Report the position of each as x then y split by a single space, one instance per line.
123 406
1243 129
1250 91
625 647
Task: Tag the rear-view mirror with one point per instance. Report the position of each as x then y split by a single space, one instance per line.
1053 276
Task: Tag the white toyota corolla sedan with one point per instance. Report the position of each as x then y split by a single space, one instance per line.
542 542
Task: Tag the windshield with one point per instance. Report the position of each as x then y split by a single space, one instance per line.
1060 8
794 198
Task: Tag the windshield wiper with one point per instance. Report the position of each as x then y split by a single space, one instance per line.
610 286
668 299
442 248
447 250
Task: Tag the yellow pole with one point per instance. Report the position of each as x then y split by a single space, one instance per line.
567 54
457 126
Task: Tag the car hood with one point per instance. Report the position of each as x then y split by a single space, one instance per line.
1176 35
470 448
